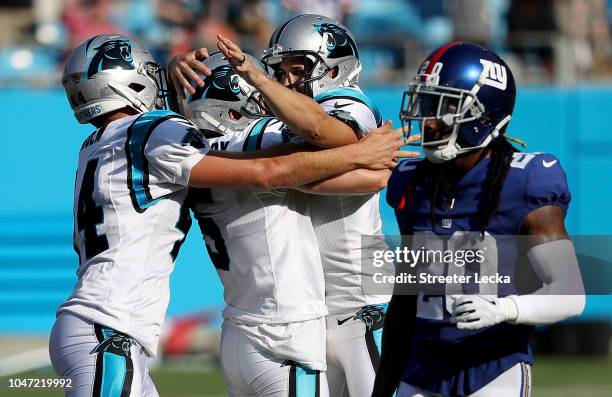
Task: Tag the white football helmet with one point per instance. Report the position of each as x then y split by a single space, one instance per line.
227 103
325 45
109 72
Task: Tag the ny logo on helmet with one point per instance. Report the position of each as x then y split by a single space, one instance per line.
494 74
339 44
112 54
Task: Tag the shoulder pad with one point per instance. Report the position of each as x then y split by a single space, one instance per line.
150 120
351 94
546 182
165 114
254 136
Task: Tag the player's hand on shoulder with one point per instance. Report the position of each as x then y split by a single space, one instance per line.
181 71
380 148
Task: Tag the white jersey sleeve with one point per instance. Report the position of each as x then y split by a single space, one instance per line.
161 148
173 148
351 106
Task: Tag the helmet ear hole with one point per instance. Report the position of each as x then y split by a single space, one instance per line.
334 72
136 87
234 115
78 101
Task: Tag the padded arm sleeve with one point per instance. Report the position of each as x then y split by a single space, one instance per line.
562 295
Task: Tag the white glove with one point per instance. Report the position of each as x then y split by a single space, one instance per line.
479 311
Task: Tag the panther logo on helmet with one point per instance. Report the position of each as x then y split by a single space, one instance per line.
222 84
339 43
112 54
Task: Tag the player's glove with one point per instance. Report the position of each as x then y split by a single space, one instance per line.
479 311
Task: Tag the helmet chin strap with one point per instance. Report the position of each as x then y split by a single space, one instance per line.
123 92
452 149
222 129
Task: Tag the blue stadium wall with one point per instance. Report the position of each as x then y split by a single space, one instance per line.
40 144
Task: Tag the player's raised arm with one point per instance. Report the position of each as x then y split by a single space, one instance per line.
375 152
303 115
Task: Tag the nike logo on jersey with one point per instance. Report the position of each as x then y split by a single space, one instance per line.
548 164
340 322
338 106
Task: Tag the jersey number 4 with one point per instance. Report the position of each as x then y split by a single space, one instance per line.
89 215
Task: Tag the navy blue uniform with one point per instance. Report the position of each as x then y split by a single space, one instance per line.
445 359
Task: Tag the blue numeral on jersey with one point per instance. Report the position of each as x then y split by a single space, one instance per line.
215 245
183 225
89 215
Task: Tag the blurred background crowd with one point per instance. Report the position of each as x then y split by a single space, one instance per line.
544 41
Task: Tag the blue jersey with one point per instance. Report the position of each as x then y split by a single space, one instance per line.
445 359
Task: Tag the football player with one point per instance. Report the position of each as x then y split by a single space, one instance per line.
263 243
318 57
129 221
474 188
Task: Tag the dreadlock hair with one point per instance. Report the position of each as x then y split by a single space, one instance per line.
501 156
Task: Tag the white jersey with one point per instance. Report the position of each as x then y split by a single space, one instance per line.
340 222
129 220
265 251
262 242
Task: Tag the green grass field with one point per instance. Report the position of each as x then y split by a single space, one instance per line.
558 377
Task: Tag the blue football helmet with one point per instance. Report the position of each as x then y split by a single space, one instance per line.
462 98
